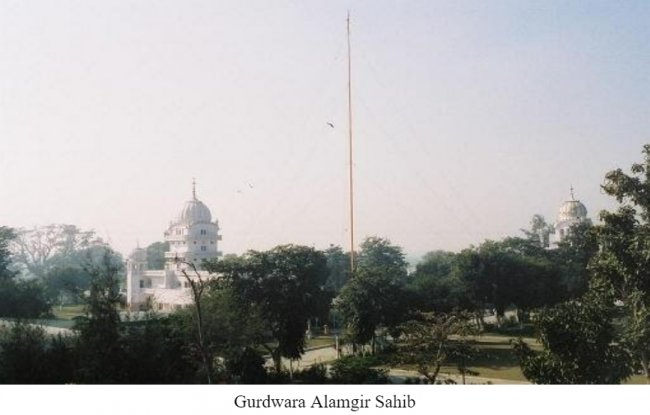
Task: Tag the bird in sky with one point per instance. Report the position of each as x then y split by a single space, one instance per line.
330 124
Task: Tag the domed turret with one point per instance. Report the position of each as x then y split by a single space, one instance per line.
571 213
193 212
193 237
571 210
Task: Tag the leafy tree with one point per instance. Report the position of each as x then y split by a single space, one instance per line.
100 346
369 301
436 264
234 328
157 351
623 261
199 287
39 249
18 298
23 299
6 236
66 284
376 295
29 356
354 370
434 286
156 255
246 366
379 255
315 374
286 286
507 273
580 343
427 343
574 254
338 263
540 231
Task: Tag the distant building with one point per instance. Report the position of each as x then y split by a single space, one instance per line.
571 212
192 237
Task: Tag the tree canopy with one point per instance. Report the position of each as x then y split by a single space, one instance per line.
287 286
375 295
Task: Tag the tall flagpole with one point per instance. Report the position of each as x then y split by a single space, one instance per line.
350 150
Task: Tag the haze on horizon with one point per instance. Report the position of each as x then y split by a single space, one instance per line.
469 117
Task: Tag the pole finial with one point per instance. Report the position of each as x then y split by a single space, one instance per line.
193 188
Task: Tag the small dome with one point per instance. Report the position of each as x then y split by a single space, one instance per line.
572 210
195 211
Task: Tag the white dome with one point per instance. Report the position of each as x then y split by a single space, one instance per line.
572 210
195 211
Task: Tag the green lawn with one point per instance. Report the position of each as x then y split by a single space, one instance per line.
636 380
494 358
320 341
68 312
63 316
314 342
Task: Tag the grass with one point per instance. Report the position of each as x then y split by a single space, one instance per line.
63 316
636 380
320 341
313 343
68 312
494 358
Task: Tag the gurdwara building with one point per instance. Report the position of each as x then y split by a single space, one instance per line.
572 212
193 237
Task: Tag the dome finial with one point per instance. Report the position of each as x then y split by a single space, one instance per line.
572 196
193 188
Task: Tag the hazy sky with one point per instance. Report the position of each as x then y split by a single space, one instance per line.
469 116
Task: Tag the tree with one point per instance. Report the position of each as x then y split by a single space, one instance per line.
156 255
338 264
434 286
29 356
427 343
623 260
6 236
436 264
355 370
375 296
23 299
222 320
286 286
157 350
100 345
505 273
540 231
39 249
379 255
18 298
574 254
580 343
66 284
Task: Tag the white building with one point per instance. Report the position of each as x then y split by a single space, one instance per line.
192 237
571 213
